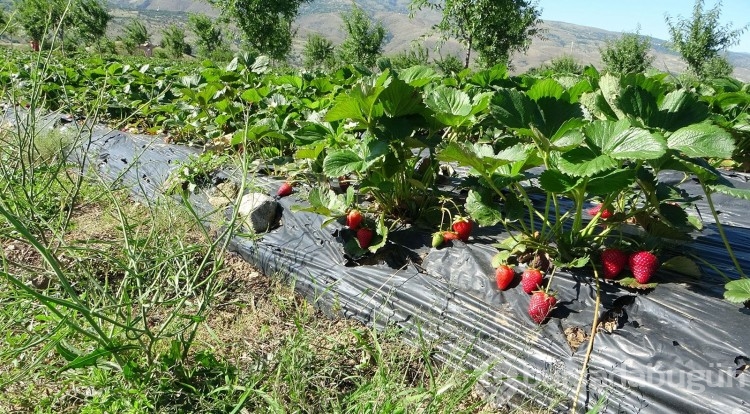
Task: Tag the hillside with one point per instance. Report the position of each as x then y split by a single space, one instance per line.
323 16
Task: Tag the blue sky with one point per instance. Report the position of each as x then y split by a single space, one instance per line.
625 15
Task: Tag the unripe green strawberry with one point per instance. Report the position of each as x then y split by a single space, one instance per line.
531 279
504 276
643 264
437 239
540 306
613 261
462 227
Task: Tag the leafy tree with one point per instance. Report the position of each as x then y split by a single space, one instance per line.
493 28
135 34
364 41
416 55
173 41
88 19
701 38
318 52
210 38
627 54
449 64
267 25
40 17
718 66
565 65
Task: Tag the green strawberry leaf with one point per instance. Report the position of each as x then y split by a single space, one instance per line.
501 258
583 162
660 228
568 136
449 101
637 102
515 110
554 181
325 202
418 76
680 108
610 182
731 191
481 157
345 107
342 162
576 263
702 141
510 244
737 291
381 235
622 142
675 214
481 210
630 282
547 88
401 99
682 265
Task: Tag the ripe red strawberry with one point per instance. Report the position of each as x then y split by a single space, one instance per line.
450 235
364 237
643 264
531 279
504 275
540 306
354 219
462 227
284 189
606 213
613 261
437 239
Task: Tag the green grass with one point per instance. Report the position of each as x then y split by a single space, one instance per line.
110 305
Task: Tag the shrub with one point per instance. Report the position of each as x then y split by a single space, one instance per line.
627 54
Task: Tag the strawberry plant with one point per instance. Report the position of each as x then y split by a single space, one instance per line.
385 150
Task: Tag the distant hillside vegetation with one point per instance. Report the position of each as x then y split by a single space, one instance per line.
323 16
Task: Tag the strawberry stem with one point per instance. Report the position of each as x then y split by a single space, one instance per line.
590 347
720 227
549 282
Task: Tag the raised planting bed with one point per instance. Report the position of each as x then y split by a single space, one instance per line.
674 348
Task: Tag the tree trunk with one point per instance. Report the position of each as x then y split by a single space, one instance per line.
468 54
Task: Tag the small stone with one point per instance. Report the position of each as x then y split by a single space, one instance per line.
226 189
40 282
223 194
259 212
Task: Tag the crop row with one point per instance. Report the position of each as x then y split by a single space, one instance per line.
539 152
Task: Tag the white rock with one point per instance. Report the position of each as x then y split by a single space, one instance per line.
258 211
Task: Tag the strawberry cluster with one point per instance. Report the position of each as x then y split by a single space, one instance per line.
642 263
